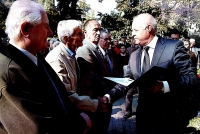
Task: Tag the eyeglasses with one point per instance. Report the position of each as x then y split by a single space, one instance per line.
106 39
175 38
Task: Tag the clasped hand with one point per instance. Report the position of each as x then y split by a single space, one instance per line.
103 105
157 87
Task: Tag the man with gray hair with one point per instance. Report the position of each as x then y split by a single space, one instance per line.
62 60
33 99
104 42
165 104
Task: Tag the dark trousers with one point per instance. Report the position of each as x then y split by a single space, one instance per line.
129 99
100 121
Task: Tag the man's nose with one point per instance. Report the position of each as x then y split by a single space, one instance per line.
133 33
98 32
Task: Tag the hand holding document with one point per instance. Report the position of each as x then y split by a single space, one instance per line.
147 79
122 81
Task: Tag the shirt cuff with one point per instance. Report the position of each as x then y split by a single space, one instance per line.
165 88
108 96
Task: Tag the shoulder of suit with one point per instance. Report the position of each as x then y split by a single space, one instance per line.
54 54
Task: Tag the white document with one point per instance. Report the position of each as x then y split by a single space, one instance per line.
122 81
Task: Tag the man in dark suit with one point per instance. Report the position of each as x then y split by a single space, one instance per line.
123 40
33 99
167 105
92 70
110 59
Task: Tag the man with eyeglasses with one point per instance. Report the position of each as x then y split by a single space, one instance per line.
104 42
92 70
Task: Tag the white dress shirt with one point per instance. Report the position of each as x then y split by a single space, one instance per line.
152 46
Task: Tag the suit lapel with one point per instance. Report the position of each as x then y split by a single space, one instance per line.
158 52
138 60
98 56
135 63
27 65
69 60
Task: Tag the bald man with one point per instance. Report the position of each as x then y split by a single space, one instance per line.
166 105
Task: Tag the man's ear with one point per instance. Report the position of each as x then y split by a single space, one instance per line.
149 27
85 32
25 28
66 39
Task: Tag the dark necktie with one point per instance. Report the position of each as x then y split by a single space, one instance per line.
146 60
104 59
102 56
109 61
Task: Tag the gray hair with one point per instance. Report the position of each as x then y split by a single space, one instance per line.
147 19
103 31
23 11
66 28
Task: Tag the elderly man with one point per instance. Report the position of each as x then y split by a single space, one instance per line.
92 70
104 42
167 105
62 59
33 99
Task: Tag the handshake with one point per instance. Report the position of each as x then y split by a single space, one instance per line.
103 104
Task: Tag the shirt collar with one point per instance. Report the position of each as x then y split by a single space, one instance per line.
101 49
25 52
68 50
95 45
153 42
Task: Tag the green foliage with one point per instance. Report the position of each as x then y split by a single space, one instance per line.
195 122
120 22
64 12
54 18
169 15
3 15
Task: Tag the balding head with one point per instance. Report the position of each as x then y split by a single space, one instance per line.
144 28
144 20
92 31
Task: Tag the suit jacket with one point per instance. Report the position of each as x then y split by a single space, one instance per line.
64 65
33 99
164 112
92 71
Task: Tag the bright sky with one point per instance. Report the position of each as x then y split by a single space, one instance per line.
105 7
